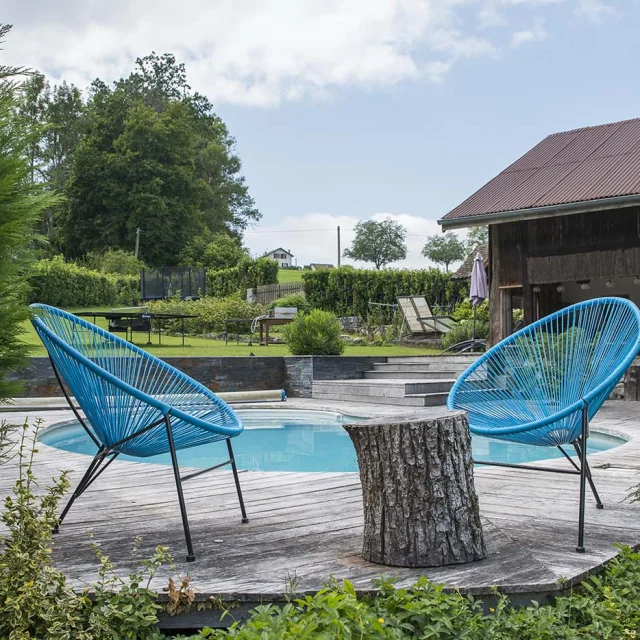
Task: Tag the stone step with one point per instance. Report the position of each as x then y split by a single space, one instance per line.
457 359
384 388
413 400
401 374
408 367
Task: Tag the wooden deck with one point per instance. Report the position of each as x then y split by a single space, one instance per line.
306 526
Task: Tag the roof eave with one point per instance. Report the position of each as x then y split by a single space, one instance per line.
539 212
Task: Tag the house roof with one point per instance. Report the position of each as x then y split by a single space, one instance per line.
568 172
465 269
278 249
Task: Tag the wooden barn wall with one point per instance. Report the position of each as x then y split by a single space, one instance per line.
547 251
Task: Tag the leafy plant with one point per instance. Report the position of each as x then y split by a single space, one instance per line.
464 311
347 291
315 333
464 331
297 300
64 284
114 261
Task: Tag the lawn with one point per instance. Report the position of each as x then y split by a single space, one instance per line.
288 276
172 346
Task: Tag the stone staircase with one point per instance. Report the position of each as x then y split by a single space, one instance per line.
410 381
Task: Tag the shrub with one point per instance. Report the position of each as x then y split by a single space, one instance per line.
211 313
249 274
297 300
314 334
64 284
464 311
115 261
347 291
464 331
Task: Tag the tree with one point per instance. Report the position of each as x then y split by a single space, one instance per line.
153 156
213 251
477 236
444 249
378 242
21 202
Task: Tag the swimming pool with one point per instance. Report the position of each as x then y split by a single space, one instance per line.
298 440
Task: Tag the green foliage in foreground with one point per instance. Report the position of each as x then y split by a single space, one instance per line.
314 334
37 602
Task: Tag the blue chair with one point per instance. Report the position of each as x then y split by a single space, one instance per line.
542 385
133 402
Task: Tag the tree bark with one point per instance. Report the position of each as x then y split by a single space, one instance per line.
420 503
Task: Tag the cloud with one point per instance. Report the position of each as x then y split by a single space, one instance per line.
265 52
312 237
535 34
596 10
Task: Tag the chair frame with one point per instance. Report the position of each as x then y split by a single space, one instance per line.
430 324
582 468
107 454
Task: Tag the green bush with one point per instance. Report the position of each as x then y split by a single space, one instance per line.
464 331
211 313
347 291
249 274
297 300
64 284
115 261
464 311
314 334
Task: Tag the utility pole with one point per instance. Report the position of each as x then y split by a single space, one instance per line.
137 241
339 252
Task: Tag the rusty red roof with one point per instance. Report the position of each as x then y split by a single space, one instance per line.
579 166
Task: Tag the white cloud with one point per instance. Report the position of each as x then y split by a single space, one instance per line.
596 10
535 34
264 52
312 237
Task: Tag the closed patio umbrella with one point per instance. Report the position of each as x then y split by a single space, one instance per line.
478 292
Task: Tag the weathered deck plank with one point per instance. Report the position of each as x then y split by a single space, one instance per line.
307 526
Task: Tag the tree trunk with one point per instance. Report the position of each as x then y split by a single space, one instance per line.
420 503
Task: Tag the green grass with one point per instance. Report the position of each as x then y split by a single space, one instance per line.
172 345
288 276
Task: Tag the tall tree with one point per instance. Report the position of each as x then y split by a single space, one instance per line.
154 156
379 242
21 201
477 236
444 249
213 251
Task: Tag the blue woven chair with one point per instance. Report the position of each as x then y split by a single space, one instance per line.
133 402
542 385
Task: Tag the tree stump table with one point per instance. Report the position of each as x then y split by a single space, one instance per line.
420 503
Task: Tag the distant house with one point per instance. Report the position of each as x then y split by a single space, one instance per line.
314 266
281 256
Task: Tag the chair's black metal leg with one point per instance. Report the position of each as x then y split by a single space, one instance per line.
583 476
578 448
183 507
85 481
237 479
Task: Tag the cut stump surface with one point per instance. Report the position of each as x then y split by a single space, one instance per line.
420 503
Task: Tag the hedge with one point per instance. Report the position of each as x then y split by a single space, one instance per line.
248 274
346 291
64 284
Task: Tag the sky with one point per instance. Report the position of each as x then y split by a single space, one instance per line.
347 110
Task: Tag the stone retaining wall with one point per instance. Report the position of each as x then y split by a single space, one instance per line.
237 373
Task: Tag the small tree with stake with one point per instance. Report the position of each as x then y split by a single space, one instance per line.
444 249
378 242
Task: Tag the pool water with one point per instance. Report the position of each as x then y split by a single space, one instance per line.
296 440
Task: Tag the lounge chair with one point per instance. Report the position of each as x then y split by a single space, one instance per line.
542 385
133 402
418 317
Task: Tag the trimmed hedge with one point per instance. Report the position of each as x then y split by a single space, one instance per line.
346 291
248 274
64 284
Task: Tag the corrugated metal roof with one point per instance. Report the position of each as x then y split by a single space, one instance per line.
568 167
